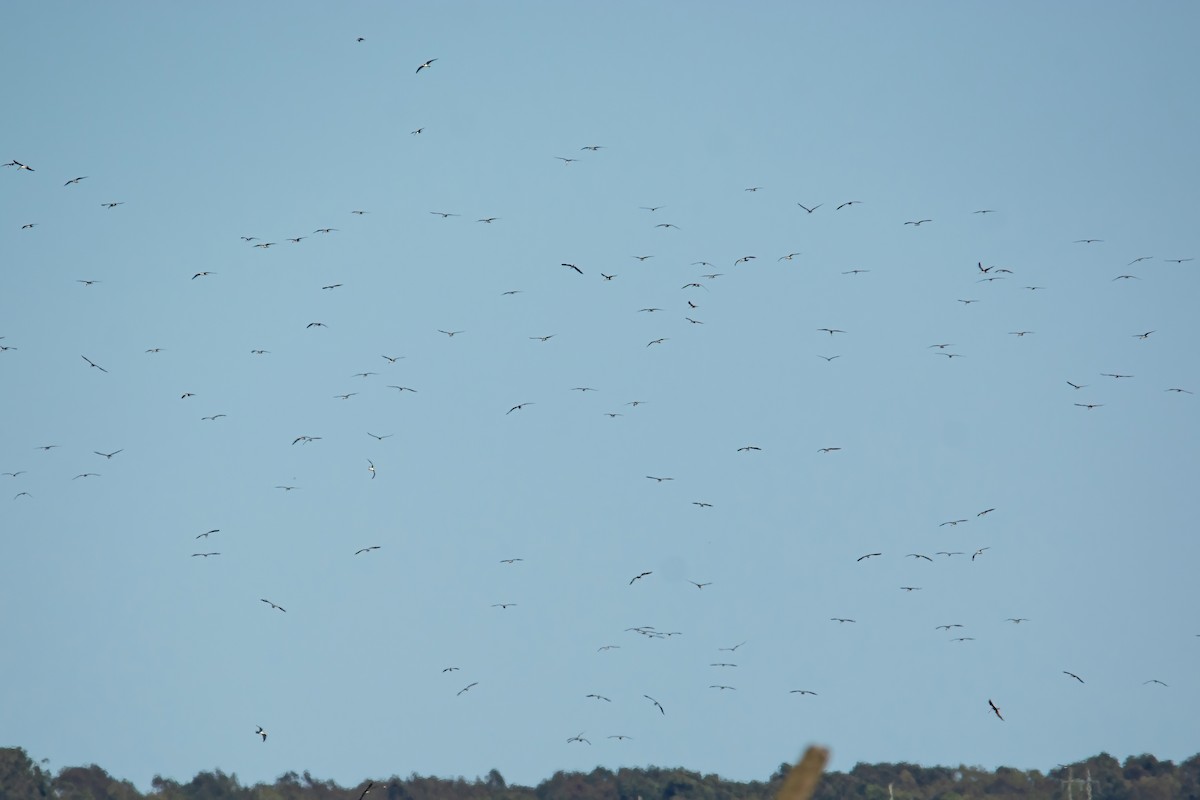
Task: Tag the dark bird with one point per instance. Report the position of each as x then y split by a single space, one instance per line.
112 205
1017 620
261 732
660 480
542 338
744 259
651 208
1089 405
1113 375
656 703
1153 680
947 627
451 334
911 588
599 697
1073 675
656 341
109 455
202 275
1177 260
619 736
702 505
718 686
369 549
829 449
731 649
995 710
578 738
572 266
316 325
510 560
468 686
747 448
426 65
827 358
20 166
517 407
330 286
502 605
667 225
272 605
75 180
700 585
951 522
444 214
206 534
868 555
567 161
607 277
802 692
380 438
93 364
985 511
205 555
639 577
1126 278
979 552
371 783
1087 241
1145 335
1076 385
847 203
450 669
831 331
840 619
918 223
810 210
86 475
919 555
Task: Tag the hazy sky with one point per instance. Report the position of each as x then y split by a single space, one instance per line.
208 122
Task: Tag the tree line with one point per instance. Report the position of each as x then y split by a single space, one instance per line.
1101 777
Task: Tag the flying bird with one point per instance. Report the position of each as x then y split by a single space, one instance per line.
75 180
371 468
468 686
1154 680
810 210
369 549
93 364
918 223
426 65
656 703
802 692
660 480
599 697
517 407
261 732
206 555
700 585
847 203
868 555
108 455
639 577
272 605
1073 675
995 710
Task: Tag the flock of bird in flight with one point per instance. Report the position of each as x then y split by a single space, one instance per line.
984 274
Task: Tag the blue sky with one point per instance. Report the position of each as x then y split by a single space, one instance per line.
213 122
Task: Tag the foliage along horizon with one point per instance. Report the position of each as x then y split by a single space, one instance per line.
1141 777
